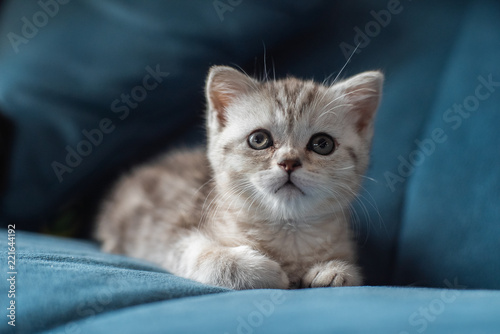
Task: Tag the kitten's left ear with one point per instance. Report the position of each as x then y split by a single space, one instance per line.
363 92
224 86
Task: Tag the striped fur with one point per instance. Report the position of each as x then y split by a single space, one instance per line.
232 215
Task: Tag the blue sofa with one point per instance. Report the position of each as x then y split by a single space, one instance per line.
90 88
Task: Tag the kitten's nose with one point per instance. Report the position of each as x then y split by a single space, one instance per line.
290 165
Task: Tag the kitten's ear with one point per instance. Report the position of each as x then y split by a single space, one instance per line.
363 92
224 86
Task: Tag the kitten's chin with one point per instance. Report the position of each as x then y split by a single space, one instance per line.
288 203
281 198
289 190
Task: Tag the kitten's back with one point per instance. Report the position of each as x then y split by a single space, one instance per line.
155 201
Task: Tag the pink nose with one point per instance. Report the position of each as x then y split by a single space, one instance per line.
290 165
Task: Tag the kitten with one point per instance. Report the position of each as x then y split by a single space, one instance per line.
267 204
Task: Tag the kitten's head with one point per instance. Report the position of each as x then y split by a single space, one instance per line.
289 149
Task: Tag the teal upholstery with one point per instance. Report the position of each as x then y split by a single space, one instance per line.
69 286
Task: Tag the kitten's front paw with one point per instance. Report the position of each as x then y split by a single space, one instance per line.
243 268
256 271
332 273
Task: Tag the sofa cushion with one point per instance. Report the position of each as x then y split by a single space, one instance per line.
69 286
321 310
60 280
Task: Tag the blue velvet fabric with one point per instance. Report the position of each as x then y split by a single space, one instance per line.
69 286
428 214
59 281
451 219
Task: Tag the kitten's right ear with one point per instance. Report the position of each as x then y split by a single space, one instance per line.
224 86
363 93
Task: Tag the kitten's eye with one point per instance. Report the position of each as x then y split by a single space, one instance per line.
260 139
321 143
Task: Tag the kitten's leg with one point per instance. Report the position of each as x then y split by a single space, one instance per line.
332 273
201 259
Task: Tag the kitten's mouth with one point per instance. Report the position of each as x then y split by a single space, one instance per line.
289 185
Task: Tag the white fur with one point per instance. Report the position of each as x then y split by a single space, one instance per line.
249 229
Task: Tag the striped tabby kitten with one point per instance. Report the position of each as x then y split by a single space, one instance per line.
267 204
